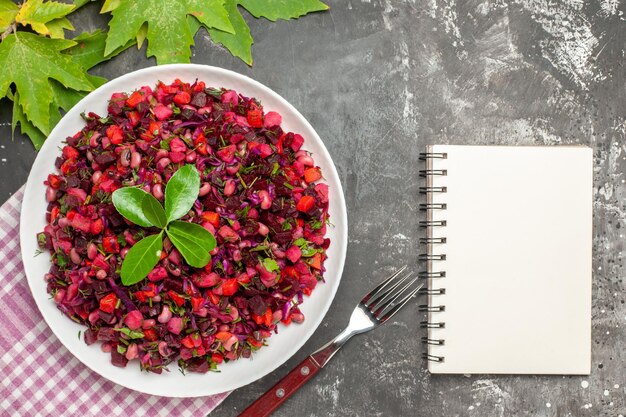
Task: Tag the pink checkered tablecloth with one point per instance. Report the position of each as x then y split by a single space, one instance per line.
42 378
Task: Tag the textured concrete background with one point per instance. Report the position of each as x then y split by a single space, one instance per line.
381 79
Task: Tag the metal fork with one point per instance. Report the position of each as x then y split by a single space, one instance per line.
378 306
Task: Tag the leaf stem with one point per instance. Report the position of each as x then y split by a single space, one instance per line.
11 29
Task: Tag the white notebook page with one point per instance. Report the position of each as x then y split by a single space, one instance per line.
518 260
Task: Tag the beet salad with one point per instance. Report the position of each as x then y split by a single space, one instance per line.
259 195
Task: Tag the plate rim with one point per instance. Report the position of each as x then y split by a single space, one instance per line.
342 214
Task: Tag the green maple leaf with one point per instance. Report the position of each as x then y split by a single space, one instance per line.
29 62
282 9
56 28
84 52
240 43
27 128
38 13
169 35
8 11
89 50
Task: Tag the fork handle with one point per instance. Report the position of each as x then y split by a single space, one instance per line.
283 389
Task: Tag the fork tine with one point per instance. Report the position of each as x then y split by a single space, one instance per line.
377 290
389 314
388 293
391 296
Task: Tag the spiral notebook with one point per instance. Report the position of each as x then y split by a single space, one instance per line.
508 249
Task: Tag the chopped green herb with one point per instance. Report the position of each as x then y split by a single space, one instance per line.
132 334
270 264
316 224
275 169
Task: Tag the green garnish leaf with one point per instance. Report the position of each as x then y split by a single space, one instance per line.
193 241
141 259
300 242
270 264
132 334
153 210
181 192
128 201
307 251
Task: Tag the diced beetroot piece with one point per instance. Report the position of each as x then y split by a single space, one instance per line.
134 320
69 152
264 150
177 157
186 354
293 253
205 279
272 119
298 168
201 366
242 121
147 91
116 103
162 112
296 142
182 98
108 186
322 192
100 262
236 138
267 278
91 336
227 154
79 193
175 325
230 97
228 234
177 145
107 334
117 359
157 274
81 223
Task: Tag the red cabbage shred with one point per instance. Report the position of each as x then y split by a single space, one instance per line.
260 195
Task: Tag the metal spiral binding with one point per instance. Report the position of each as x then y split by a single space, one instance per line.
433 206
432 223
428 274
432 357
432 155
432 291
430 325
426 307
427 172
429 190
438 342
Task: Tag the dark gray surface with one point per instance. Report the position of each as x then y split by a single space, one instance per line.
379 80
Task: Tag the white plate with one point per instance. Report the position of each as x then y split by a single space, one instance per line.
234 374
